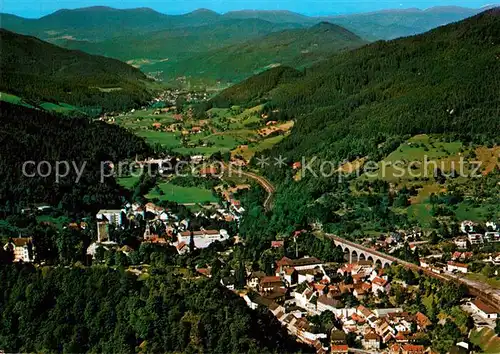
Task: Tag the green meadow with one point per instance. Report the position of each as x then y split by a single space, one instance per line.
179 194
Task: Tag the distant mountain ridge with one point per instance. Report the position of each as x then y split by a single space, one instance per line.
180 43
99 22
293 47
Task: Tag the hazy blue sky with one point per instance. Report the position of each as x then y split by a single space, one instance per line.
37 8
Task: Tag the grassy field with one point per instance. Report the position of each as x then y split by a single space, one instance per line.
181 195
259 146
60 221
62 108
127 182
419 155
167 139
486 340
225 130
7 97
493 281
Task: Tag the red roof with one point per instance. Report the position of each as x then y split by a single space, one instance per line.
204 271
379 281
284 261
270 279
422 320
356 318
339 348
319 287
455 264
372 336
208 171
412 348
277 244
483 307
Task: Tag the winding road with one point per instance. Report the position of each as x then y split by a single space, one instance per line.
264 182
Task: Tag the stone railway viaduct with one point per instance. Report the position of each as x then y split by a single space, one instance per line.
357 252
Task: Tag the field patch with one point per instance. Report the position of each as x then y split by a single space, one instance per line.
127 182
179 194
486 339
167 139
418 157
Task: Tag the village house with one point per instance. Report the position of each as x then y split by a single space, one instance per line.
475 239
461 243
208 171
339 349
277 244
337 337
291 276
384 330
492 236
298 264
457 267
412 349
490 225
112 216
371 340
254 279
361 290
325 303
304 298
493 258
22 249
202 238
270 284
379 284
467 226
423 322
228 282
483 309
424 263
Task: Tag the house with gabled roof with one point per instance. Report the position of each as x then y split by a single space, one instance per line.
22 249
483 310
371 340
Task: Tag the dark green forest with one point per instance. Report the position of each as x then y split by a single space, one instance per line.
293 47
110 311
255 89
444 81
364 103
33 135
39 71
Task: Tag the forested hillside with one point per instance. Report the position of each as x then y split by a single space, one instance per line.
254 89
41 71
295 47
110 311
177 43
444 81
32 135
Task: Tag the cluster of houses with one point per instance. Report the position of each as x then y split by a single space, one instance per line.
393 241
307 286
469 228
460 259
162 226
